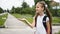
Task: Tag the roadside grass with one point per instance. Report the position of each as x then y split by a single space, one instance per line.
3 19
56 19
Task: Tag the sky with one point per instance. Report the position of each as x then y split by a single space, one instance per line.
7 4
57 1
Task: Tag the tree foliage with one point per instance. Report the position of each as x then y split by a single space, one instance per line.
1 10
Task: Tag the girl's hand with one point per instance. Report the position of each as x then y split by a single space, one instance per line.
23 19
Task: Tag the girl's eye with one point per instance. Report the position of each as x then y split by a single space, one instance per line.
37 7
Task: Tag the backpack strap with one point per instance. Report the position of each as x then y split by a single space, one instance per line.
44 22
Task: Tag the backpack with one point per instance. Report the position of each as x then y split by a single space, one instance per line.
44 24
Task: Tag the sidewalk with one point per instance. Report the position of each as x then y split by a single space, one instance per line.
16 31
55 29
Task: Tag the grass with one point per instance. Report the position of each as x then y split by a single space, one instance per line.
30 18
3 19
56 19
17 15
27 16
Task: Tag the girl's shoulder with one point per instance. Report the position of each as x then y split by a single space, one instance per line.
46 17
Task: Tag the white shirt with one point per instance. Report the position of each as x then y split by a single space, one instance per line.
40 28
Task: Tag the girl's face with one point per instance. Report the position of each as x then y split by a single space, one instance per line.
39 8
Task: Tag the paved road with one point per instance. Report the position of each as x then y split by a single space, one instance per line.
16 31
55 29
14 26
23 31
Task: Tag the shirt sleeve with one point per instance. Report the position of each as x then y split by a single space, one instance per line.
47 19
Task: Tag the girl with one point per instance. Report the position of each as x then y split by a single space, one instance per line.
38 19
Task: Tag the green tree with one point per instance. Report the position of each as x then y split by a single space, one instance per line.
7 10
18 10
1 10
25 8
33 10
39 0
58 13
46 1
12 10
24 5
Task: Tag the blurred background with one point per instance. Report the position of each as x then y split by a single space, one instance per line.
26 9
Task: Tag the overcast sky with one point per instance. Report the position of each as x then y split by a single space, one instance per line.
57 1
7 4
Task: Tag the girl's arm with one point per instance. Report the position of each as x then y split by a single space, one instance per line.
31 25
48 27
